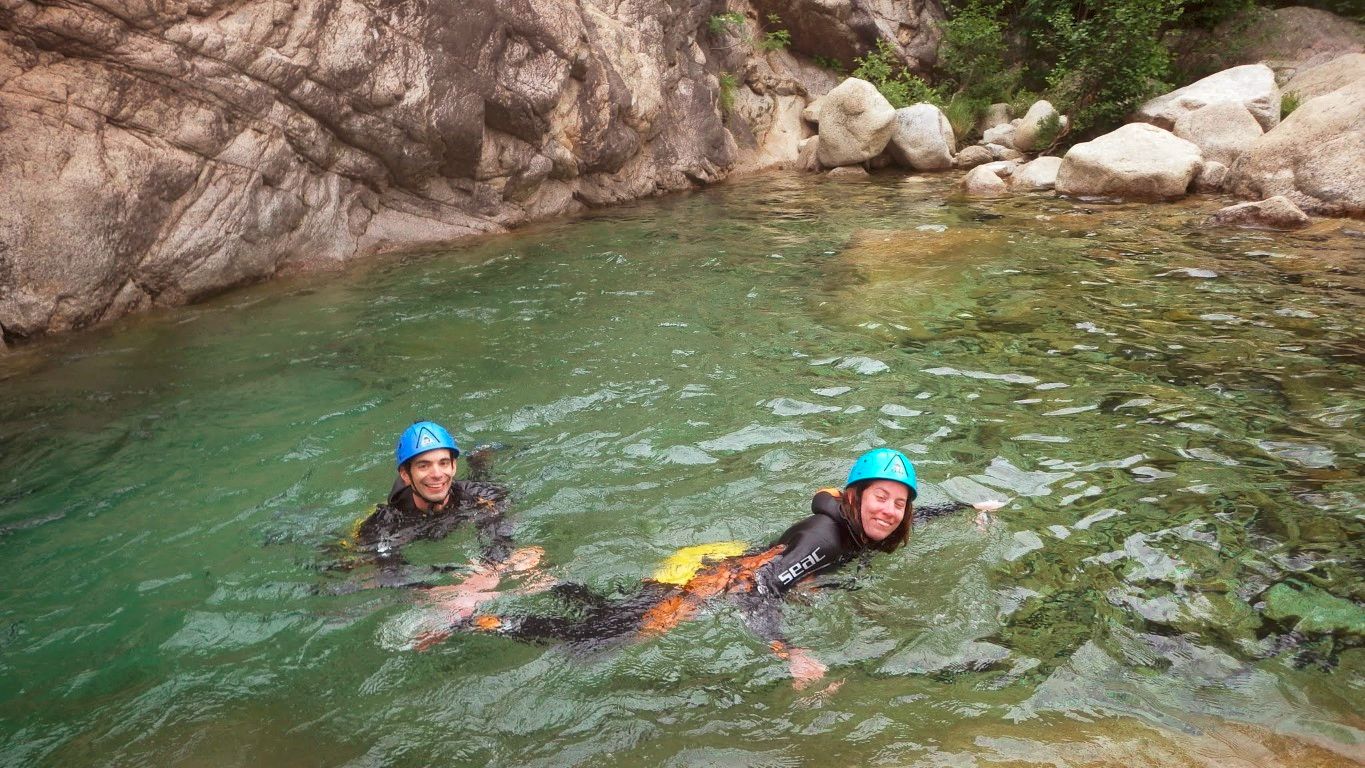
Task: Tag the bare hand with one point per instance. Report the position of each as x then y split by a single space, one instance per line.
805 668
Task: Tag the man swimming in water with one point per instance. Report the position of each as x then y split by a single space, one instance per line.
427 502
872 513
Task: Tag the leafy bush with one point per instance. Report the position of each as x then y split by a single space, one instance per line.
972 56
884 69
833 65
729 84
1289 101
775 39
722 23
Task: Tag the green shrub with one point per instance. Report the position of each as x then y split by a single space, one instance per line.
729 84
833 65
883 68
777 38
722 23
1050 129
1289 101
972 56
963 113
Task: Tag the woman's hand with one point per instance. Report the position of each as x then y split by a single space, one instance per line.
805 668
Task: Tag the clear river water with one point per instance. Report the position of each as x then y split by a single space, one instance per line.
1172 412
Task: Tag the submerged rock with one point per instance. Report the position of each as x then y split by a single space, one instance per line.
1273 213
1137 161
1313 609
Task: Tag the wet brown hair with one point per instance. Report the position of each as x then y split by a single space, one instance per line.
852 501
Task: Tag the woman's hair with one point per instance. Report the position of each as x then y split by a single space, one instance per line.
850 504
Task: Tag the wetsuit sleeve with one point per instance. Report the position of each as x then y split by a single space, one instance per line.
926 511
809 547
489 504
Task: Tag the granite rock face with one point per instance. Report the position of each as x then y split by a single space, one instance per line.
844 29
155 154
1316 157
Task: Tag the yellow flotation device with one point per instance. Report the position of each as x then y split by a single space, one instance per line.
682 565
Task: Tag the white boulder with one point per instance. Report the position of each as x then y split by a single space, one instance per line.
1137 161
923 138
1002 134
1222 131
1026 136
1251 85
856 123
1325 78
1037 174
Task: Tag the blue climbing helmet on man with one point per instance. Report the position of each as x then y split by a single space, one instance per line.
421 437
884 464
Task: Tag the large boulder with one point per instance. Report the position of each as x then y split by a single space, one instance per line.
1274 213
845 29
1027 134
923 138
1316 157
1037 174
856 123
1137 161
1222 131
1251 85
996 114
1325 78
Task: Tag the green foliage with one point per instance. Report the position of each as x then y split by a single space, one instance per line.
1289 101
722 23
884 69
833 65
1110 60
729 84
963 113
777 38
1050 129
972 56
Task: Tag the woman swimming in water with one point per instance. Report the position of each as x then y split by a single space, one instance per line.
874 512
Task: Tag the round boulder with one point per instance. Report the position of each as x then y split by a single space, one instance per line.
923 138
1137 161
982 181
1251 85
856 123
1002 134
1038 174
1222 131
1026 136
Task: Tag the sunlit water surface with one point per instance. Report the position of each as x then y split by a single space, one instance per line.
1174 413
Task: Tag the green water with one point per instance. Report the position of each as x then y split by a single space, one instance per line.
1173 412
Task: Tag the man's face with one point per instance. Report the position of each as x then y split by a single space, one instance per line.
430 475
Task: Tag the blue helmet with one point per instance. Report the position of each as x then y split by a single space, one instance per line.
421 437
884 464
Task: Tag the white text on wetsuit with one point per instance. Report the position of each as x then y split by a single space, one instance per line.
794 572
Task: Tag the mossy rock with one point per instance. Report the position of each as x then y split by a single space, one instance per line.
1316 610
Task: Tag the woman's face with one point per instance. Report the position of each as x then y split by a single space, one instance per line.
883 508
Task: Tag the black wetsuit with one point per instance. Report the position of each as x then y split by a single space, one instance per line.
398 522
819 544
